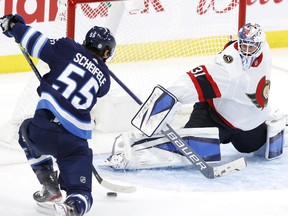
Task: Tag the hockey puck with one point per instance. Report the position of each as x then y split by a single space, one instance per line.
111 194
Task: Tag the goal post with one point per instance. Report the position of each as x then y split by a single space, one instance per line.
242 13
71 14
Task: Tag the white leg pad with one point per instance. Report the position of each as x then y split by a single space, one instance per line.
137 151
273 148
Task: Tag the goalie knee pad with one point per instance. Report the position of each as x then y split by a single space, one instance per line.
273 148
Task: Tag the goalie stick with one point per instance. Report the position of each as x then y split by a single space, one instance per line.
101 181
207 170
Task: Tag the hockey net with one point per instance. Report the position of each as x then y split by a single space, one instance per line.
156 40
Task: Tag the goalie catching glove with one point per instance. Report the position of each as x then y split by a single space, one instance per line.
7 21
158 110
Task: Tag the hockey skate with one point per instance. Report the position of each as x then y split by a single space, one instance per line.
64 209
57 209
50 190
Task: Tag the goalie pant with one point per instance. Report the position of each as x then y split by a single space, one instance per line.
244 141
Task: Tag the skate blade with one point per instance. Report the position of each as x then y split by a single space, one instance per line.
46 208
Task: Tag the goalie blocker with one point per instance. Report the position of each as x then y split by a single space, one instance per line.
157 111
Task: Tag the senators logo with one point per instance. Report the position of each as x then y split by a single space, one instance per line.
260 98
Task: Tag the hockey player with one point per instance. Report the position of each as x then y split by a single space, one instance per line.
231 94
62 124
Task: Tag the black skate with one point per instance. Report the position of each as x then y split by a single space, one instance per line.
50 190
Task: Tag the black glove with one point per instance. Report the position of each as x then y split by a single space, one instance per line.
7 20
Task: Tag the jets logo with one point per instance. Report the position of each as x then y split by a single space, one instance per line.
228 59
260 98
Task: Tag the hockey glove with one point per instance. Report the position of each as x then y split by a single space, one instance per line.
7 20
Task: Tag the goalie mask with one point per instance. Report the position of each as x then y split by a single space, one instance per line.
250 41
99 40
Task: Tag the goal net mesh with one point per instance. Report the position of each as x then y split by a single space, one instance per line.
156 40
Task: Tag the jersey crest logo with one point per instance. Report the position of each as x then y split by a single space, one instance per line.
228 59
260 98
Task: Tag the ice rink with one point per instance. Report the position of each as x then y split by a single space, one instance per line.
261 189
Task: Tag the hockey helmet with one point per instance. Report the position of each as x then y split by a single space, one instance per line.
250 40
99 39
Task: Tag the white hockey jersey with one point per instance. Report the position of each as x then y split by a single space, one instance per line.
239 97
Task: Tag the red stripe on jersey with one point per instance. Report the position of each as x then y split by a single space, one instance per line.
212 82
197 86
202 71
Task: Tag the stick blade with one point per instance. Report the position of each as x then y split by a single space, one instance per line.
118 188
232 166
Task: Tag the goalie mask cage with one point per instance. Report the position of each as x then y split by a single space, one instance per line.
156 40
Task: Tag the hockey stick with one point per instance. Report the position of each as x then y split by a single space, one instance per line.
197 161
101 181
207 170
111 186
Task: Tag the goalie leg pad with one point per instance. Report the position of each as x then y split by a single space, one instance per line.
137 151
207 148
276 144
273 148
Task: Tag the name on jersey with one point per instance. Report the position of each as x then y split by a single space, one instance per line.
90 66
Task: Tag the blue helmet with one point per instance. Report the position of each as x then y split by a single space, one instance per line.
250 40
99 40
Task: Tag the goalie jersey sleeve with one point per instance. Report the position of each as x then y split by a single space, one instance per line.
75 81
239 97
